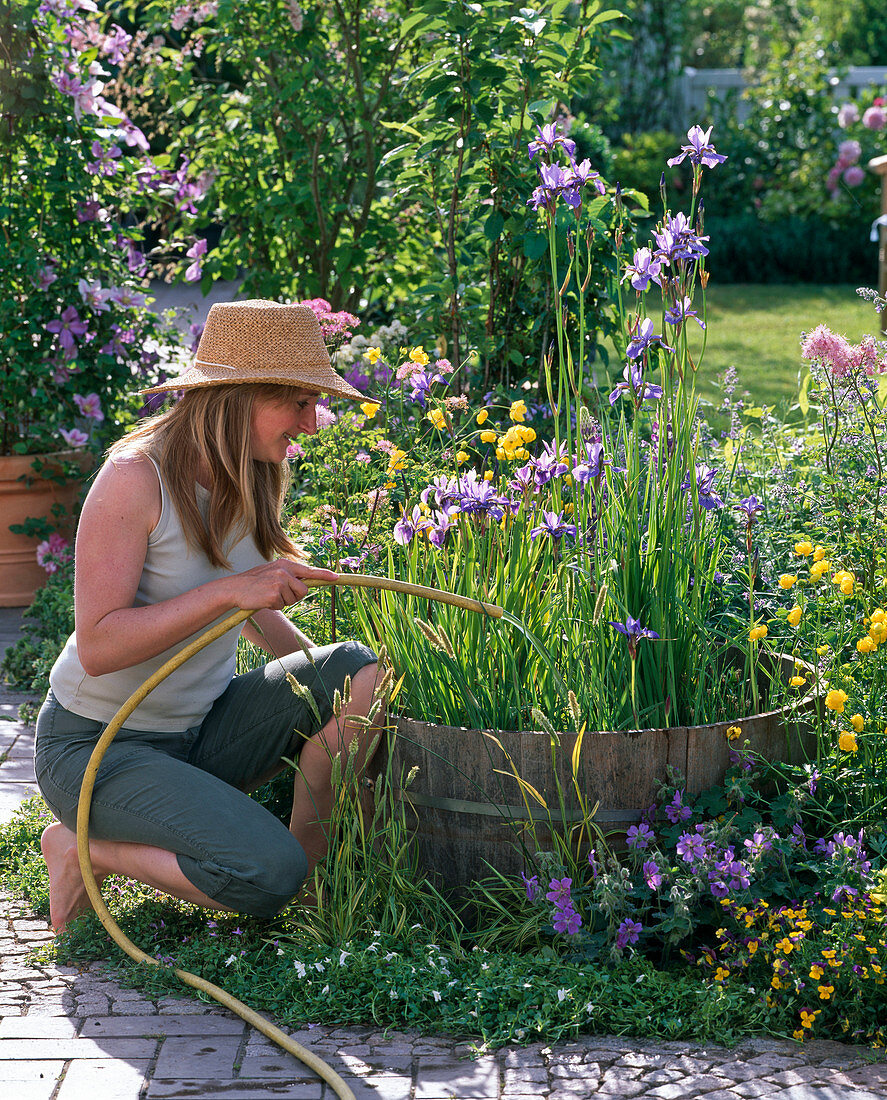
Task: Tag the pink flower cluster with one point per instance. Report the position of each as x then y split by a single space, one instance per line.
53 552
841 358
846 167
335 328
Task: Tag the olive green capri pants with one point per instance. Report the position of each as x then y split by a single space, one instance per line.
185 792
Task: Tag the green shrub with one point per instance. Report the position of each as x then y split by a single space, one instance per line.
46 626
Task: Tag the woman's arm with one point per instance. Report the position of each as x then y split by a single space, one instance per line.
278 635
120 511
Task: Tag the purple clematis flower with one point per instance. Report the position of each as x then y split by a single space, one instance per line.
68 327
698 150
635 385
553 525
643 270
195 253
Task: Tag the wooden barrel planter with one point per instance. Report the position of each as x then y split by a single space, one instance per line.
467 816
24 495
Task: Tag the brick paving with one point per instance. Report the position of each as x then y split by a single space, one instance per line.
70 1033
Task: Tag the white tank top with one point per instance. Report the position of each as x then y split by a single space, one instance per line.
185 697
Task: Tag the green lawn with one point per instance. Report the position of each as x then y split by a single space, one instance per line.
757 328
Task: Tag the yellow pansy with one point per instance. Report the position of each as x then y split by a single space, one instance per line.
816 973
825 992
369 409
794 616
787 580
802 549
721 973
847 742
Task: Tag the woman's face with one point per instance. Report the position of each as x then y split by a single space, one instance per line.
276 421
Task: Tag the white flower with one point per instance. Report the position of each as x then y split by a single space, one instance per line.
230 959
300 968
562 994
435 994
589 1008
319 967
343 956
325 990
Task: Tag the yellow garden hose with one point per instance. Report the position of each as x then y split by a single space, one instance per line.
83 808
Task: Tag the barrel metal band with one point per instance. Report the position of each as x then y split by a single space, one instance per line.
514 813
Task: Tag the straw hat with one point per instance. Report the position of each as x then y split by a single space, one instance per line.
259 341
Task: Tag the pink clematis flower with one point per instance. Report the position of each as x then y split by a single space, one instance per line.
68 327
89 406
74 437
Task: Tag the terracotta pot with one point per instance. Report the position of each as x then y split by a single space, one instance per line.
24 495
467 816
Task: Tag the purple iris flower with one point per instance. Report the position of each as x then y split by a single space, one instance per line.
643 270
751 509
635 385
677 240
337 534
652 874
633 632
440 493
582 174
589 466
698 150
523 479
549 139
68 327
705 478
408 525
531 885
642 338
558 182
628 932
639 836
550 464
682 310
553 525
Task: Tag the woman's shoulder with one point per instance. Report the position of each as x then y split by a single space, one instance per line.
128 479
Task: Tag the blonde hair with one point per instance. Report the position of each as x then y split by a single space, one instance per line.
209 429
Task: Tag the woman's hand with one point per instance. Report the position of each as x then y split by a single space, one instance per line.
276 585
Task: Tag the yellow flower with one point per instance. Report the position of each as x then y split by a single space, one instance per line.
857 722
794 616
808 1019
488 475
802 549
752 947
438 419
819 567
847 742
500 453
819 553
373 354
878 615
733 732
756 633
877 632
787 580
369 409
798 681
798 1034
488 437
866 645
462 456
419 355
396 460
482 416
527 434
775 982
822 650
825 992
721 973
518 411
816 973
835 700
847 587
785 945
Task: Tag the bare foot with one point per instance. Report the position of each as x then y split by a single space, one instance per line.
67 894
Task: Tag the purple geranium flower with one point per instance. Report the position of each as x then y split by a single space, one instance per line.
567 920
690 847
559 891
676 811
652 874
698 150
531 885
628 932
639 836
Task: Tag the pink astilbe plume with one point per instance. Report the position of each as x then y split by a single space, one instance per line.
831 350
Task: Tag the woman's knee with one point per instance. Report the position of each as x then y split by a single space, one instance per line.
260 884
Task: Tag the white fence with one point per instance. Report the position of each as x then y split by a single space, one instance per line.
695 85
